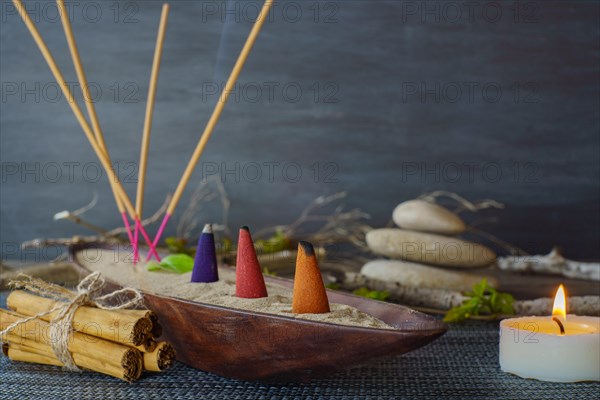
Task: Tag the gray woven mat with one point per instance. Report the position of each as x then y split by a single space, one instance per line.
463 364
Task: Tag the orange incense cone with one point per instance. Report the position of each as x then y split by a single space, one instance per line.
249 281
309 291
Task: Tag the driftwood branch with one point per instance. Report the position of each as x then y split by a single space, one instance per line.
109 237
579 305
464 204
83 209
512 249
80 221
413 296
41 243
190 218
442 300
340 226
552 263
74 216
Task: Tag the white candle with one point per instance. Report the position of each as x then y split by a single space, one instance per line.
535 347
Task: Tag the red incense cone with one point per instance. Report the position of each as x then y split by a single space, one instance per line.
249 281
309 291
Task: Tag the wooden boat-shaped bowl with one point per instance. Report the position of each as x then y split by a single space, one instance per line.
254 346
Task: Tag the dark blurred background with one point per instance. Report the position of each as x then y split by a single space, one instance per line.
383 99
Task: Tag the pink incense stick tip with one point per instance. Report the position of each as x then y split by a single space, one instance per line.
136 236
152 250
161 229
127 227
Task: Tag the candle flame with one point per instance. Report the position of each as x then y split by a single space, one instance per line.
560 303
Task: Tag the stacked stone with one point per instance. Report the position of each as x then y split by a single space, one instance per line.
425 251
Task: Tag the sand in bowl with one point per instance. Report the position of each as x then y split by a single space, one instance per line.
117 267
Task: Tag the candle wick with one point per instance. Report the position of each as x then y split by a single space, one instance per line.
560 325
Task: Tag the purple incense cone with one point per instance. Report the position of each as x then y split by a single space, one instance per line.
205 263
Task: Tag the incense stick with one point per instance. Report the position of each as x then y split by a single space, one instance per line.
91 109
139 199
214 118
80 117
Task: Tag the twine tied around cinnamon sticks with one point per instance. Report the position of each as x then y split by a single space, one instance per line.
61 326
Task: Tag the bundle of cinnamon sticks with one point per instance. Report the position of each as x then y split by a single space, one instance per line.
120 343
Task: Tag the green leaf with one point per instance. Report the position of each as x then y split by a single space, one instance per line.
480 288
363 291
482 300
494 299
456 314
226 245
266 271
505 304
473 302
381 295
178 263
333 286
153 266
276 243
179 246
